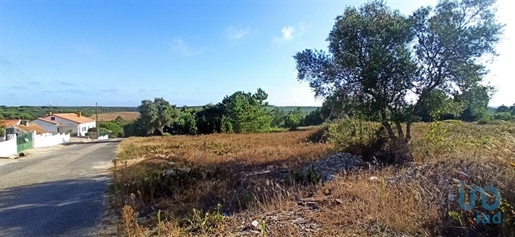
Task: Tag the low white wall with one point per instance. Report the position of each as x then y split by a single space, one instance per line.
8 148
48 139
103 137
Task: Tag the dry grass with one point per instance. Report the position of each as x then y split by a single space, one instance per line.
112 116
250 175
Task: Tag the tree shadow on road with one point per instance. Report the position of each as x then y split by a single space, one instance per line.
69 207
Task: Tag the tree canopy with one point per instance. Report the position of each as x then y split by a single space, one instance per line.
389 64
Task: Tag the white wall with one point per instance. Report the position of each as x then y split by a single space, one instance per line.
65 125
83 128
65 129
49 139
103 137
8 148
50 127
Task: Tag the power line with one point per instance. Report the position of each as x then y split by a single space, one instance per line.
40 96
29 82
20 75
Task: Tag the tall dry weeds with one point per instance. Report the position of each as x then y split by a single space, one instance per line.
249 173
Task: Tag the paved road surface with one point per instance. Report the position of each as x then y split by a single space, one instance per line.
55 191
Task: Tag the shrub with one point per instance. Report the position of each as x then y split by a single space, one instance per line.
357 137
503 116
487 119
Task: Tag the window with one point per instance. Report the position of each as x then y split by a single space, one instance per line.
57 130
52 118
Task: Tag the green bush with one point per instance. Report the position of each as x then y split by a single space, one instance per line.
357 137
504 116
486 119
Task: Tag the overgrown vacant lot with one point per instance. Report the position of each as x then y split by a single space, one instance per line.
269 184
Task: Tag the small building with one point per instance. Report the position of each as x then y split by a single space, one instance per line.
9 122
66 122
5 123
24 129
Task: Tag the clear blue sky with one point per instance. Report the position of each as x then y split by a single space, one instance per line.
118 53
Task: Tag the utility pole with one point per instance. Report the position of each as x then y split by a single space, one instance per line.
96 124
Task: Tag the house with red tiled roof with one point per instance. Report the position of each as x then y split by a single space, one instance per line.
66 122
9 122
25 128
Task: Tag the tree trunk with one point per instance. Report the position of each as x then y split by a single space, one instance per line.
386 124
399 130
407 139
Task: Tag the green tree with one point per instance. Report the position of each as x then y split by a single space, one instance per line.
502 108
369 62
166 114
313 118
209 119
278 117
148 114
247 112
376 56
293 119
115 130
185 122
120 121
156 115
476 101
134 128
439 105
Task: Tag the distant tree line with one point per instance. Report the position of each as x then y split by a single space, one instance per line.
241 112
244 112
33 112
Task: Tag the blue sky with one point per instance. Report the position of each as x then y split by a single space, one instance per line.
118 53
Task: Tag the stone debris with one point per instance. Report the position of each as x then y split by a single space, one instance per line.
330 166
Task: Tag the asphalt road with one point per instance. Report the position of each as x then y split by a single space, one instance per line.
58 191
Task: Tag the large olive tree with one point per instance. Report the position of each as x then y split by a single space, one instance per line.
389 64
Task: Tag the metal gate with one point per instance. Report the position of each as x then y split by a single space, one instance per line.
24 142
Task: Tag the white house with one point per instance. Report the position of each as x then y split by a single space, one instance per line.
63 123
50 126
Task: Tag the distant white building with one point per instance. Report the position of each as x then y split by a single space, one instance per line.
66 122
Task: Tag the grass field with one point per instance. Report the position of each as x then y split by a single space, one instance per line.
258 184
112 116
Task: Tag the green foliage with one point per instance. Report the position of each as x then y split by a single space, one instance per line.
293 119
436 133
157 114
114 129
2 132
278 117
504 116
209 119
502 109
185 122
376 55
247 112
33 112
476 101
354 135
134 128
438 106
205 222
485 119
